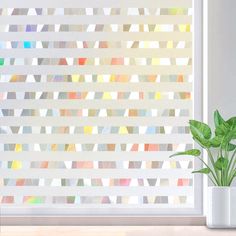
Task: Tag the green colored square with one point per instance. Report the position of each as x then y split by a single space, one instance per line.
1 61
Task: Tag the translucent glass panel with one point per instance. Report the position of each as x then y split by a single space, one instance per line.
94 97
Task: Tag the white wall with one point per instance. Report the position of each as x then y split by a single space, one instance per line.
221 61
222 57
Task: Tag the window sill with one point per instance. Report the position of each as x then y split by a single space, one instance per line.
103 220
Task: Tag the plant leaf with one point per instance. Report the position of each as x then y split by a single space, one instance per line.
218 118
199 131
222 129
192 152
225 144
203 142
232 121
216 141
231 147
199 138
221 163
202 171
202 128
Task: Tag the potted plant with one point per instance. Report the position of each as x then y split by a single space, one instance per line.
220 167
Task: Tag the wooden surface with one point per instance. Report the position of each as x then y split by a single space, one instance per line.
113 231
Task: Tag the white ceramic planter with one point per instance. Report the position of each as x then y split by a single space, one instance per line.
221 211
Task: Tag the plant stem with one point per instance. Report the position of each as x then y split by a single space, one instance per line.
213 164
229 165
212 180
232 178
232 169
222 177
224 182
232 157
215 178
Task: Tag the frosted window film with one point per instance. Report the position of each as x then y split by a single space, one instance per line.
94 97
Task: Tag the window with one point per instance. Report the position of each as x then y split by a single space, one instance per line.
95 96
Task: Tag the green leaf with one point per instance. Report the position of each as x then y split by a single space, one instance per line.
192 152
216 141
202 171
203 142
233 133
232 122
201 133
202 128
225 144
222 129
199 139
218 118
221 163
231 147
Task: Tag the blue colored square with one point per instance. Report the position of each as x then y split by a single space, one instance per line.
27 44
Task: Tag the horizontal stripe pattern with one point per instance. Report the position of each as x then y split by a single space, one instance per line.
96 191
96 87
96 3
58 53
128 70
111 121
67 104
75 20
105 173
122 36
89 156
110 138
94 97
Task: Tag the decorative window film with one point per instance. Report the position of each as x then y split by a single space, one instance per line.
94 97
